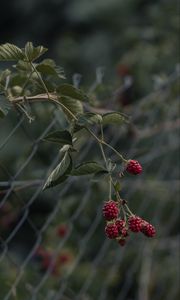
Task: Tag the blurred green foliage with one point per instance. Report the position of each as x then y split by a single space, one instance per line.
139 38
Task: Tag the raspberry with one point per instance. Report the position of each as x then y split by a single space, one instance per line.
135 223
62 230
110 210
124 232
148 229
120 224
122 242
134 167
111 231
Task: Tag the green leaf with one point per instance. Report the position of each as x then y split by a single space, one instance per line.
24 66
32 53
4 79
60 173
72 92
86 168
117 186
5 106
59 137
48 67
89 118
115 118
10 52
74 106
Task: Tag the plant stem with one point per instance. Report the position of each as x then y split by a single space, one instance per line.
62 105
107 145
27 80
112 148
110 187
128 210
101 147
40 78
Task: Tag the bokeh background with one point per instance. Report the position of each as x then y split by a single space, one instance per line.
125 54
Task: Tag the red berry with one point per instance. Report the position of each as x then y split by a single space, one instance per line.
111 231
122 242
134 167
64 258
110 210
123 70
148 229
120 224
135 223
62 230
124 232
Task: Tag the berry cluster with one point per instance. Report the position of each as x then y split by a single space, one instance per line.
118 227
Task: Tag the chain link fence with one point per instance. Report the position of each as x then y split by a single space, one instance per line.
65 224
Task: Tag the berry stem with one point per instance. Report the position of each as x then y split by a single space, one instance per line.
110 187
124 215
101 141
40 78
130 212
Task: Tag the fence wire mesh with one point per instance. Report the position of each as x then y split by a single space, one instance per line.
90 266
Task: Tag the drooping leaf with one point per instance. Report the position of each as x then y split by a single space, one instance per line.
115 118
86 168
62 137
10 52
74 106
89 118
72 92
32 53
48 67
60 173
5 106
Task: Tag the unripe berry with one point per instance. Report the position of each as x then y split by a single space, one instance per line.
110 210
148 229
133 167
111 231
135 223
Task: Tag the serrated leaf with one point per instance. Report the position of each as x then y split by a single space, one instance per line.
24 66
5 106
60 173
89 118
32 53
72 92
86 168
62 137
115 118
74 106
48 67
10 52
